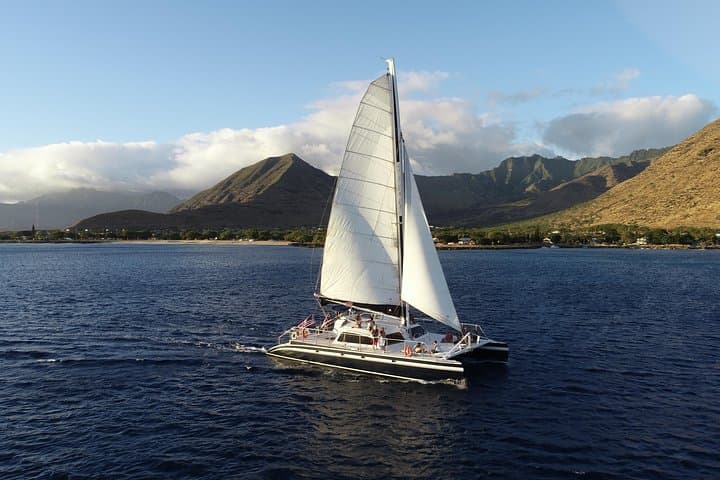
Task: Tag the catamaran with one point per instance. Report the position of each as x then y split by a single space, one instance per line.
380 267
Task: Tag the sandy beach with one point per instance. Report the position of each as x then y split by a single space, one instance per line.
205 242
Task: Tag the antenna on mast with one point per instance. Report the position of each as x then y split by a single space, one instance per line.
391 65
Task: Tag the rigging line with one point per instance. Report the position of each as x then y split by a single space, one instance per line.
314 247
371 131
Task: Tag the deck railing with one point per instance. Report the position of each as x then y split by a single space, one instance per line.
473 328
297 333
472 333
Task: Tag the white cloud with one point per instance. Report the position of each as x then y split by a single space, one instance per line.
444 135
29 172
420 81
616 128
613 87
618 84
516 98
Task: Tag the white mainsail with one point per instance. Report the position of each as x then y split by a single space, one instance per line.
423 283
360 263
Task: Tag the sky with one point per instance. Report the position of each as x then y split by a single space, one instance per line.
176 95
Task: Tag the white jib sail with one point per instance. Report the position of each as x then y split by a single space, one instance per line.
423 283
360 261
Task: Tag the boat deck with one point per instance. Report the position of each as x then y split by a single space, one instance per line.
405 348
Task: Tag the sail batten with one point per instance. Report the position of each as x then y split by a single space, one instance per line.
370 156
368 208
364 181
360 127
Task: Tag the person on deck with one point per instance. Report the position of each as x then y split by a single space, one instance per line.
382 341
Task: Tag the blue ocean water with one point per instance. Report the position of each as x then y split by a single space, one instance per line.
145 361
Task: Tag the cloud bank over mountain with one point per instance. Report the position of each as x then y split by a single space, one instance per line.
617 127
444 135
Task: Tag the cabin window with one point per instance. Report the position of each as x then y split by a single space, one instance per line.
395 337
354 338
349 338
417 331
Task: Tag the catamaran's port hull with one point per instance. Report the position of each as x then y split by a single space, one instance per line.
414 368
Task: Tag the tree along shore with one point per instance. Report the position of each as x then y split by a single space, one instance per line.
510 236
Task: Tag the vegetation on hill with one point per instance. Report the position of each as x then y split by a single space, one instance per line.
525 187
681 188
275 180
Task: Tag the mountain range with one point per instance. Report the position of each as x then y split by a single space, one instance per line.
285 192
679 189
666 187
278 192
58 210
525 187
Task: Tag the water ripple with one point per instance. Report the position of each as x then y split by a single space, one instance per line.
148 362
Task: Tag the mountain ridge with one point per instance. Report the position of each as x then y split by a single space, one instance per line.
58 210
277 192
680 188
246 184
285 191
518 188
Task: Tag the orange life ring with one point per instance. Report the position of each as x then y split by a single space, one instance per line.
304 333
408 351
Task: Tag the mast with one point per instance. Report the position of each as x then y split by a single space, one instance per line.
399 182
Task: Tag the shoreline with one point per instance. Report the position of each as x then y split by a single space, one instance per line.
159 242
285 243
282 243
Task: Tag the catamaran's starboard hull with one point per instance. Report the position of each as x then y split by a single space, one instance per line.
491 351
413 368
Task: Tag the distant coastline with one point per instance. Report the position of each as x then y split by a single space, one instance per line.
164 242
284 243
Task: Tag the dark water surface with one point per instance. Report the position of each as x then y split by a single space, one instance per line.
143 361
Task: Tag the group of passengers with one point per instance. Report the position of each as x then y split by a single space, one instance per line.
420 347
380 338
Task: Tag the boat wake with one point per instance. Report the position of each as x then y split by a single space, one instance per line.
239 347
